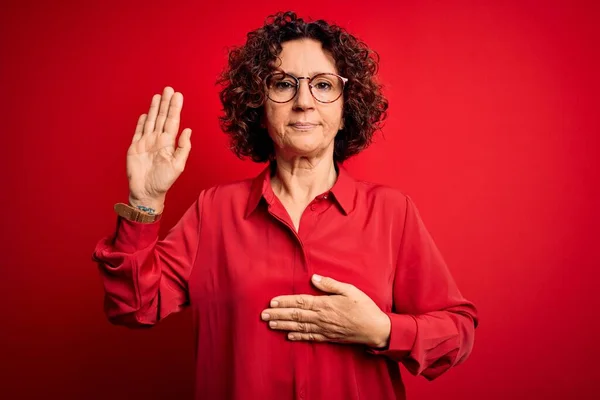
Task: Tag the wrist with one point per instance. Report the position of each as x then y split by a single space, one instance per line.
134 214
149 206
381 335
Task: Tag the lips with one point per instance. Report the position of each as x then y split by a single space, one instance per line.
303 125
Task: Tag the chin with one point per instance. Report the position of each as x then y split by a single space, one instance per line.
305 142
306 148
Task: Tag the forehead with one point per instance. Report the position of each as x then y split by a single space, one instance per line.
305 57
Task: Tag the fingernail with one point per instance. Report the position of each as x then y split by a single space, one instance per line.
291 336
274 303
272 324
317 278
265 316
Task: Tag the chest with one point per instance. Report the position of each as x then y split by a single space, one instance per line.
264 257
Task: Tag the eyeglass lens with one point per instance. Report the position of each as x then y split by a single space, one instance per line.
325 88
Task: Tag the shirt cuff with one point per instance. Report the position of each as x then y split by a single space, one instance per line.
403 334
134 236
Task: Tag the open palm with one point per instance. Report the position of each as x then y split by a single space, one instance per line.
153 160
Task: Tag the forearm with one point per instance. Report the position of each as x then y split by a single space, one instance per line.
125 264
146 279
431 343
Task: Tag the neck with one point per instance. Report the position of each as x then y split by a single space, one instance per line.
300 180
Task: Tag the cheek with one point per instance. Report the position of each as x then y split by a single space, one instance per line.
275 117
334 120
274 123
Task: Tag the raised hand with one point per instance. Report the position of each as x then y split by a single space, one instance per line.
153 161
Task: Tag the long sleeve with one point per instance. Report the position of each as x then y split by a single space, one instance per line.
432 324
146 279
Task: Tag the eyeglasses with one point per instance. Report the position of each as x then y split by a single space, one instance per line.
325 87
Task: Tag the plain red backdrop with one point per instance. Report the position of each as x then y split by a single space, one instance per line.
493 130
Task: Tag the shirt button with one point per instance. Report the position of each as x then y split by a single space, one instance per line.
313 207
325 196
301 392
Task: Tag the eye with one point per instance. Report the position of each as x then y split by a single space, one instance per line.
323 85
284 85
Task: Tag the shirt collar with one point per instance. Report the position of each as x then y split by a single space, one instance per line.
344 190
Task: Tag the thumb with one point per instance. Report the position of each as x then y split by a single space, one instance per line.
329 285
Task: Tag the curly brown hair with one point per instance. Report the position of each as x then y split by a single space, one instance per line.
243 95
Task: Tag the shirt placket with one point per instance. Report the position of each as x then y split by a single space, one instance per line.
308 224
302 271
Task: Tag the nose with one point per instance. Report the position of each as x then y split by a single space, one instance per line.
304 99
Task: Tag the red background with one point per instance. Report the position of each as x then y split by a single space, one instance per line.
493 130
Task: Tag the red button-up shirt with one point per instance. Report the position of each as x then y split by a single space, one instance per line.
235 249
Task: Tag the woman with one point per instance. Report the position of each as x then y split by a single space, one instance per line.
303 282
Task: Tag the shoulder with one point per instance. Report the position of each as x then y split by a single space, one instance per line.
381 195
386 201
390 206
227 192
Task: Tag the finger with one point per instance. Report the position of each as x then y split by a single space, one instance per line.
163 111
304 327
288 314
330 285
152 112
310 337
173 117
303 301
139 129
183 149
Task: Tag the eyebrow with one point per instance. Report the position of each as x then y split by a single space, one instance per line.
309 76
